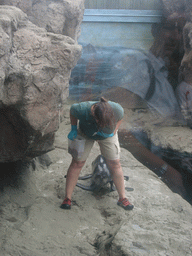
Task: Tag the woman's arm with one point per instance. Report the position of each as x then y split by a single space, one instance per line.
73 119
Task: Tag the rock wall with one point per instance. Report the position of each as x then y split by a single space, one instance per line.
186 64
60 17
35 67
168 37
171 6
181 14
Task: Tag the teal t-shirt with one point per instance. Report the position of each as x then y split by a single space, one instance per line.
87 123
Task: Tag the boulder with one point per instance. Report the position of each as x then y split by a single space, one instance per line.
35 67
60 17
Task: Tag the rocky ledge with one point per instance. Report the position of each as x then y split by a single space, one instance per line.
33 224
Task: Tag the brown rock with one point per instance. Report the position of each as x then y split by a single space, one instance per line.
168 37
173 6
186 65
35 68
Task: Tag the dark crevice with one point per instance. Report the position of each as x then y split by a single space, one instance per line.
105 246
14 135
11 174
182 162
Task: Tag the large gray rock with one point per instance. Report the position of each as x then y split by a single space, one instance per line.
32 223
61 17
35 68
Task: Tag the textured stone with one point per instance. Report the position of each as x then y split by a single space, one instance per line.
186 65
61 17
35 68
171 6
168 37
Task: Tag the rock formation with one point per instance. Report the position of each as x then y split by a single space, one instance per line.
60 17
35 67
181 11
186 66
168 42
171 6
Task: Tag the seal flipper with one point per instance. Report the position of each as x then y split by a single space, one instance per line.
85 177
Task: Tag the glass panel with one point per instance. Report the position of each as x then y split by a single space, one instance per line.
139 65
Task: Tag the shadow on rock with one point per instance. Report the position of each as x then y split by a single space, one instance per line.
11 173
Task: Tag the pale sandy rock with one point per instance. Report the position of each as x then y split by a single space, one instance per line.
61 17
33 224
178 138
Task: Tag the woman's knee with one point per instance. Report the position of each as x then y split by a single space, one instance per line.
77 164
114 164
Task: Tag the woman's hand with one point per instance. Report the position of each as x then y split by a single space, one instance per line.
73 133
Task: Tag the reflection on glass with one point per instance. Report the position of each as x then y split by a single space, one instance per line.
154 89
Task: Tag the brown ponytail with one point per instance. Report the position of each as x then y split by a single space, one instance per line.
103 113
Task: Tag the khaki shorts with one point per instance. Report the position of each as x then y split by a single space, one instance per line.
109 147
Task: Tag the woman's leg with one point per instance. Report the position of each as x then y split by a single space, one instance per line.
110 149
118 179
72 176
117 176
